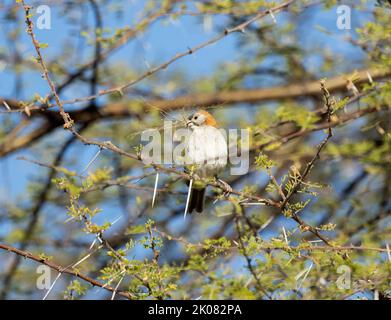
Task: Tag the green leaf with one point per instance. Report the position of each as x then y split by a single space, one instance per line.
43 45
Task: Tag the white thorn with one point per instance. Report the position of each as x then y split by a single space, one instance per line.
252 204
116 220
109 281
155 189
273 17
352 87
305 272
208 23
69 219
369 77
174 22
116 287
266 223
6 105
147 63
188 199
52 286
82 259
285 236
92 160
70 266
92 244
248 282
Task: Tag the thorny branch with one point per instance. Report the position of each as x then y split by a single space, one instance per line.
223 98
239 28
35 212
61 269
285 203
250 267
68 122
267 247
110 146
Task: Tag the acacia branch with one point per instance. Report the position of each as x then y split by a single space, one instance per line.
124 39
250 267
119 89
223 98
304 226
34 215
239 28
61 269
98 48
119 110
266 247
68 122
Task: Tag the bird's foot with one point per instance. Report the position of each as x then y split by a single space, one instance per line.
226 187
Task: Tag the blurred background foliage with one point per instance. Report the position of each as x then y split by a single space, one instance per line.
265 79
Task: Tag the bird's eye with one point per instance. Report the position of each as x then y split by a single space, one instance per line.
196 117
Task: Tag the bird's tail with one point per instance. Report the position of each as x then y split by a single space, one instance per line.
197 200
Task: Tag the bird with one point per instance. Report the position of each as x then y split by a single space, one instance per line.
206 154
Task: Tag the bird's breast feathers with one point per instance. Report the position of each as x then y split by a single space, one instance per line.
207 149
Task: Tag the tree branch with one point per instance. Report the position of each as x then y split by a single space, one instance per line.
61 269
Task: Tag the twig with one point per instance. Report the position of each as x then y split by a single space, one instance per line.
304 226
61 269
68 122
287 248
34 215
73 265
291 91
239 28
155 260
279 189
248 260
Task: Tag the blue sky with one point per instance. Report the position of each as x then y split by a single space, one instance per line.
161 42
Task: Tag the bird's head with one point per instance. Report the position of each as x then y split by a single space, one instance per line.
201 118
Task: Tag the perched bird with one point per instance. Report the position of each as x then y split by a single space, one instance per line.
206 152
